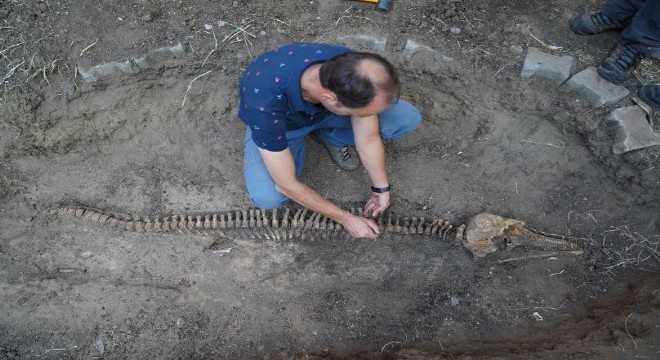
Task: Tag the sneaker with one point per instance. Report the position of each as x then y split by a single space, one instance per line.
344 156
651 95
621 62
595 22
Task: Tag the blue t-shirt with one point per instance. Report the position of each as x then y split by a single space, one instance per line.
271 98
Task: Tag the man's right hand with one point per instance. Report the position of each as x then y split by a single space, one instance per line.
361 227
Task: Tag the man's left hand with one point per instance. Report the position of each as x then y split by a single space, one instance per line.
376 204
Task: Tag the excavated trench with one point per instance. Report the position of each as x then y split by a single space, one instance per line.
166 140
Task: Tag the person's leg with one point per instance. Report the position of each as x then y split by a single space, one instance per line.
397 120
639 40
615 14
644 31
259 183
622 10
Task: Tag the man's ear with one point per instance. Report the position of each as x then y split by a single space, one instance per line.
328 96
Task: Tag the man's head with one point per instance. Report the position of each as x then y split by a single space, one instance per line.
359 84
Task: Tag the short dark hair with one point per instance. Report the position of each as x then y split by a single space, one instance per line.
353 88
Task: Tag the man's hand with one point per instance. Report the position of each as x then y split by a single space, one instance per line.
361 227
376 204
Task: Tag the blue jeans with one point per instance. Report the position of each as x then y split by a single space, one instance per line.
396 121
643 33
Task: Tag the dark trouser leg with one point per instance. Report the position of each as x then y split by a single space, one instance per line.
644 31
622 10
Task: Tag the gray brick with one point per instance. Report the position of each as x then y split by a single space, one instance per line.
413 47
594 88
554 68
634 131
151 59
367 42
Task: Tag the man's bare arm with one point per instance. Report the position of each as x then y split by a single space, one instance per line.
281 168
369 145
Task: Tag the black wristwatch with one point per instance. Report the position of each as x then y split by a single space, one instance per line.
381 190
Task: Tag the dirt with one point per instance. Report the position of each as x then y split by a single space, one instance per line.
490 141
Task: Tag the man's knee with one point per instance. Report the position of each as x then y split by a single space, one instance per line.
403 120
270 200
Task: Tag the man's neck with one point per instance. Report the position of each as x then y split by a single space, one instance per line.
310 84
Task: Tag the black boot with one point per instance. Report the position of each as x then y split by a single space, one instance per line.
595 22
651 95
621 62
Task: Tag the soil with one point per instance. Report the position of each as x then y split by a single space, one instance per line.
490 141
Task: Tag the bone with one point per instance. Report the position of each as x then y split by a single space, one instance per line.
397 226
103 219
445 230
244 223
114 222
129 226
252 220
214 221
458 238
207 222
190 224
139 225
420 226
274 223
148 226
158 225
389 227
79 212
230 221
182 224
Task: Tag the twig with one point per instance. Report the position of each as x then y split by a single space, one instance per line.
625 324
214 48
542 255
82 52
190 85
551 47
548 144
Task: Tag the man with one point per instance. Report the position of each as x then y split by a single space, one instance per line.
341 97
640 38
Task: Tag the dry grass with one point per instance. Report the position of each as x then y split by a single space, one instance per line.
627 248
648 71
21 64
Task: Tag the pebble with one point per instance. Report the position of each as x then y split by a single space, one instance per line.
455 30
86 254
262 33
454 301
516 49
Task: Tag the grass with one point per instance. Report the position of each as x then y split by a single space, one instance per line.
628 248
20 64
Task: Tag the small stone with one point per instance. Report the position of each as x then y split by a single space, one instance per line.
597 90
634 131
516 49
454 301
455 30
179 323
146 18
551 67
262 33
86 254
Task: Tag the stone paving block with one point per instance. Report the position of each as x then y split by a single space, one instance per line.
413 47
634 131
151 59
372 42
594 88
552 67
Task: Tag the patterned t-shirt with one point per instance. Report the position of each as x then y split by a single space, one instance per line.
271 98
